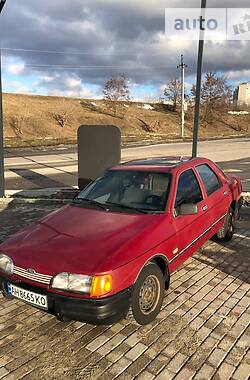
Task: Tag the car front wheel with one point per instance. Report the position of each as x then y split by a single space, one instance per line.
147 296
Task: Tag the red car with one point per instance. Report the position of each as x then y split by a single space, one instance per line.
110 253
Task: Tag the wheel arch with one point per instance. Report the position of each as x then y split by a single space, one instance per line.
162 262
233 205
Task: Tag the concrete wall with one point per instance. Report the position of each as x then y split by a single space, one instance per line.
99 148
244 94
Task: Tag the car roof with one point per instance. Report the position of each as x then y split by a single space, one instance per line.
160 164
169 161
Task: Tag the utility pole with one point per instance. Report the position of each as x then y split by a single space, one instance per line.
182 66
198 80
2 187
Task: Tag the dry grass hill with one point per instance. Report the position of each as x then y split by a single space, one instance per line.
38 120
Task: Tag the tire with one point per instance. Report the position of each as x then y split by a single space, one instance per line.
147 296
226 232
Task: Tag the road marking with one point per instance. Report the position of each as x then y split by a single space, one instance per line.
233 171
66 170
242 236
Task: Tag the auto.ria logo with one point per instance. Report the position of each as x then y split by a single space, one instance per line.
212 24
244 26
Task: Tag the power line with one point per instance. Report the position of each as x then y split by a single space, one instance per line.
81 52
87 67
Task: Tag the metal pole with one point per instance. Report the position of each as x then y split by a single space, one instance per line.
182 66
2 187
198 82
182 96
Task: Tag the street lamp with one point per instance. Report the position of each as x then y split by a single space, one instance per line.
2 3
198 81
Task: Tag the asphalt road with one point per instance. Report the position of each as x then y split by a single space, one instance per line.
57 166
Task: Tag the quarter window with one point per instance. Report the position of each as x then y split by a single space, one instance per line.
209 178
188 190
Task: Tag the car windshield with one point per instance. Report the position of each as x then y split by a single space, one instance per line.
128 190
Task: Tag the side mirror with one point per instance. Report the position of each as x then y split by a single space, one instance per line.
188 209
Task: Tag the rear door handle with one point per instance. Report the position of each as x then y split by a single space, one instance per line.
204 208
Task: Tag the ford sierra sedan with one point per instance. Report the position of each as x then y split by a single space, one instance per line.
109 254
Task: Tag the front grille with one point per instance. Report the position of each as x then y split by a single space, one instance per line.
37 277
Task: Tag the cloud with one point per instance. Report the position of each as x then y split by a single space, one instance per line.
17 87
16 69
238 74
64 85
113 37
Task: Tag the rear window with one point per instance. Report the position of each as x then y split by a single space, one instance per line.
209 178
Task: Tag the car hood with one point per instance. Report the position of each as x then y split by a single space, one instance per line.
82 240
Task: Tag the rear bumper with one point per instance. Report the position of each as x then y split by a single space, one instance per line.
105 311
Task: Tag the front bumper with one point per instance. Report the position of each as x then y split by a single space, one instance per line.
104 311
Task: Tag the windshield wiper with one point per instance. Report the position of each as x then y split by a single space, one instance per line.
90 201
126 207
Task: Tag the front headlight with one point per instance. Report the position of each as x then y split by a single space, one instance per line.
6 264
72 282
94 286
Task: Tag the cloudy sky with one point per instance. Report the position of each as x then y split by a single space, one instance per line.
70 48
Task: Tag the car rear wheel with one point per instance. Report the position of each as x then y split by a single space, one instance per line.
147 296
226 232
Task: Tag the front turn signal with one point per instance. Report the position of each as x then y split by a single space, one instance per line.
101 285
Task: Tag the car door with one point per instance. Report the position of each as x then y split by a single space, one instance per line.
190 229
217 193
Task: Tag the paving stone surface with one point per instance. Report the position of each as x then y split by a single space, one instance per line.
202 331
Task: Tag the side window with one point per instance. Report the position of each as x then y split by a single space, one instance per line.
188 190
209 178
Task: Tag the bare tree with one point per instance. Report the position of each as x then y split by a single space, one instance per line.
172 92
117 88
64 113
18 121
216 94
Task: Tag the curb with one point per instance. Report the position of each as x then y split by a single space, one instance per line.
47 201
131 144
180 140
48 196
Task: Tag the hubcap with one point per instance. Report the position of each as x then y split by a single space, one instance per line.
149 294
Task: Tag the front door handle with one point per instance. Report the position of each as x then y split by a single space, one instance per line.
204 208
225 193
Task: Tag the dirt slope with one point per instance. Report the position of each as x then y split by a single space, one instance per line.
40 118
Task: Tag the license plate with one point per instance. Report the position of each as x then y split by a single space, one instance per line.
32 298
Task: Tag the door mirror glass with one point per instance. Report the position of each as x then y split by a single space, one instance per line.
188 209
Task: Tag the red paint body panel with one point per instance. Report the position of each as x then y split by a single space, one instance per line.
91 241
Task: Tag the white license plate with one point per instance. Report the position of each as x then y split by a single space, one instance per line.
36 299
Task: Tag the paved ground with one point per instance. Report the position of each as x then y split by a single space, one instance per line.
202 331
57 167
